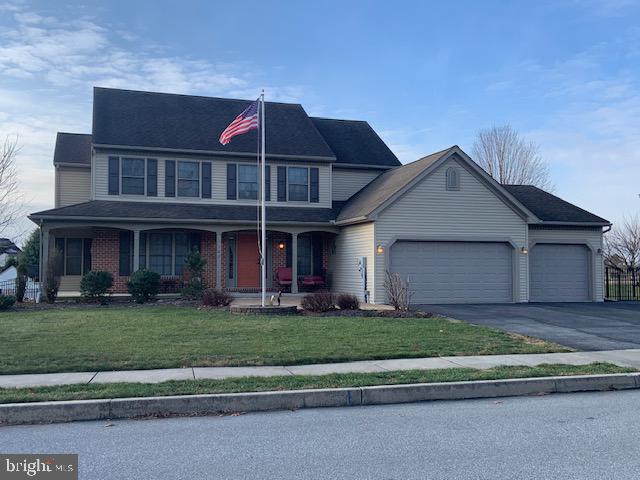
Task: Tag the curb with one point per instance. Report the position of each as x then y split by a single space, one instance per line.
121 408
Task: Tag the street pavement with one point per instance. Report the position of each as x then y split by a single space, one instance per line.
564 436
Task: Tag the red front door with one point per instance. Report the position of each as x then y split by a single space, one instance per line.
248 261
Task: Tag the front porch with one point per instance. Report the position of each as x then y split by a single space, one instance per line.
231 254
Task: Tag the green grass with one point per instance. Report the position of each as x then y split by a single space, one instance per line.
119 338
260 384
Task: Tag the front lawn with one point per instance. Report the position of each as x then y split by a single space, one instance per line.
297 382
119 338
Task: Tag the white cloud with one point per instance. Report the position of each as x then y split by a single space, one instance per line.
49 65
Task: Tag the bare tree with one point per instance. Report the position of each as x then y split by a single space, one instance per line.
510 159
622 243
11 200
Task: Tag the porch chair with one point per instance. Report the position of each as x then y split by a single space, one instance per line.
283 276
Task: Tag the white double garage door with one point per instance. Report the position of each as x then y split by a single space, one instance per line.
483 272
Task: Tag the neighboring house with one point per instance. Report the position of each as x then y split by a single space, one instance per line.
152 180
8 250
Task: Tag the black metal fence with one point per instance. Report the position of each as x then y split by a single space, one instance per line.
622 284
9 287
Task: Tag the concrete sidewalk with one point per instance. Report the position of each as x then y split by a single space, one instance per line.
623 358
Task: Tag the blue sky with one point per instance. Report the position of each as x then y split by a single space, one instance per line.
426 75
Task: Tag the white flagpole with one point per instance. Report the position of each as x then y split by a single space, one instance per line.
263 259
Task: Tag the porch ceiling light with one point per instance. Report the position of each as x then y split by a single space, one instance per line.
281 245
380 249
524 250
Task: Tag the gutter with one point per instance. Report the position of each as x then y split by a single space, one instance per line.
213 153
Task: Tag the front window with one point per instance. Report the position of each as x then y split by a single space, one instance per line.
188 179
298 184
160 253
133 176
166 252
73 256
248 182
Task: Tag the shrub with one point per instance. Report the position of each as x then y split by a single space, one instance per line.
143 285
6 302
51 282
96 284
213 297
397 290
193 285
21 280
346 301
318 302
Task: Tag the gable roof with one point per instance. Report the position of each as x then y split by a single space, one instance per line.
158 211
382 188
549 208
194 123
354 142
72 148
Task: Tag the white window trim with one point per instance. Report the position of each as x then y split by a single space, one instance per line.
308 200
238 165
177 179
144 178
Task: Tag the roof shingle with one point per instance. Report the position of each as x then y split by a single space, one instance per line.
355 142
72 148
549 208
175 211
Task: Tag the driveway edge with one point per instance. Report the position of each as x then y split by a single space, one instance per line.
122 408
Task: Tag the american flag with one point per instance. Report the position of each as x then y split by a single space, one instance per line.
247 120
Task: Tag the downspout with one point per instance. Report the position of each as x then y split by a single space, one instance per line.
40 268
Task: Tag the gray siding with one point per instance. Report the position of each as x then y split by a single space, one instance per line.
352 243
430 211
347 181
73 185
218 181
591 237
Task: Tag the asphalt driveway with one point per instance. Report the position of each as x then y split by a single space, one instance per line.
584 326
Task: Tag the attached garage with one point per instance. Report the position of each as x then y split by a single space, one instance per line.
455 272
559 273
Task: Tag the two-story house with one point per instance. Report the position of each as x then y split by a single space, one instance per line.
152 181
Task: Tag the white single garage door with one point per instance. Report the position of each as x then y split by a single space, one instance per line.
455 272
559 273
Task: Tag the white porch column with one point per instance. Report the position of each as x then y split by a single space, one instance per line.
136 251
294 263
44 258
219 260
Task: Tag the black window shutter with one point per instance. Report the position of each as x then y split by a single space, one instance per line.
231 181
288 253
282 184
124 269
206 179
169 178
314 185
59 267
316 242
86 252
142 264
114 175
267 183
152 177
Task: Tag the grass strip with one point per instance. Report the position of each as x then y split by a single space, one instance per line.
296 382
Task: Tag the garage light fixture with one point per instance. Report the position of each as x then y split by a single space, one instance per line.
524 250
380 249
